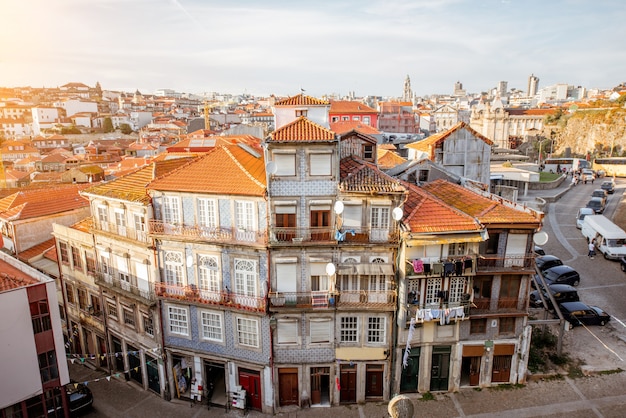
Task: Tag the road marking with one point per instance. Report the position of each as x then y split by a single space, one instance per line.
457 405
609 349
617 319
581 396
602 286
560 237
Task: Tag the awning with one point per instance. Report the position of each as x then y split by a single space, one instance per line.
443 239
366 269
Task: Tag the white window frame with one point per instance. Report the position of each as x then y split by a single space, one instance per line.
287 331
103 213
178 320
246 277
208 273
244 215
207 212
174 271
433 287
171 210
247 332
212 326
379 217
349 329
376 329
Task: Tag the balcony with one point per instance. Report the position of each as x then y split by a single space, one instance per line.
123 231
199 233
328 234
126 284
483 305
423 312
329 300
463 266
192 294
521 263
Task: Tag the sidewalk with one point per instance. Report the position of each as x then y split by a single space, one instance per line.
600 396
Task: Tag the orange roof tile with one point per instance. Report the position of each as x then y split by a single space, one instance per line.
388 159
42 202
84 225
345 126
360 176
486 210
302 130
424 213
350 106
12 278
132 186
429 144
301 100
233 169
36 250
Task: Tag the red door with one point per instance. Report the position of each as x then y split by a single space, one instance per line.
348 384
251 382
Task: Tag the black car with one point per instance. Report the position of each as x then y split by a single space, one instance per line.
539 251
578 313
597 204
545 262
622 263
609 186
79 397
561 275
560 292
601 193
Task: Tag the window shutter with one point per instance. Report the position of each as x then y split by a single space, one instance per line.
320 331
287 332
352 216
320 164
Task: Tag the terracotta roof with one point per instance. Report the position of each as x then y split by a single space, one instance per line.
301 100
345 126
350 106
302 130
424 213
42 202
132 186
204 144
360 176
36 250
486 210
530 112
84 225
388 159
428 145
233 169
51 254
12 278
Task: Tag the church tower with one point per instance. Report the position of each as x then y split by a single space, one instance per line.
407 94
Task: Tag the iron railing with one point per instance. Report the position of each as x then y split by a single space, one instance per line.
206 234
192 293
127 283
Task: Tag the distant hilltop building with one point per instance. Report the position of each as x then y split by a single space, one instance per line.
458 89
407 94
533 85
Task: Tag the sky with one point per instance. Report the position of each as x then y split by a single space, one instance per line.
324 47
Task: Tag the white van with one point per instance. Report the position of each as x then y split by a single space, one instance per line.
580 216
610 238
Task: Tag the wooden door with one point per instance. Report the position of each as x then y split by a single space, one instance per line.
251 382
347 393
285 226
440 368
320 377
474 372
501 369
374 381
288 386
320 225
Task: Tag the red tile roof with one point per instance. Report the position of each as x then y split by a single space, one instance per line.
388 159
360 176
233 169
345 126
29 204
35 251
301 100
350 106
12 278
424 213
488 211
429 145
132 187
302 130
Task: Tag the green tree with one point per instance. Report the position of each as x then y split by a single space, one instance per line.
107 126
125 129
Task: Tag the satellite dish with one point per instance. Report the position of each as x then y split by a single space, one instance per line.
338 208
540 238
330 269
271 167
397 214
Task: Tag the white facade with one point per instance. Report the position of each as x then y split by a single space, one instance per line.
73 106
44 118
287 114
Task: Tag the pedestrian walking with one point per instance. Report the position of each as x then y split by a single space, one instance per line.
592 249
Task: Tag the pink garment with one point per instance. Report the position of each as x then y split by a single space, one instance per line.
418 266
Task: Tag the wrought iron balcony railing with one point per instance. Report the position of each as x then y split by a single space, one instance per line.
127 283
205 233
191 293
326 299
502 263
316 234
124 231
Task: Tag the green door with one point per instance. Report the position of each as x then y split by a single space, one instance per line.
410 373
440 368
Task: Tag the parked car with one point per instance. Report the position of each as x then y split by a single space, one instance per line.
587 175
579 313
561 275
597 204
609 186
545 262
560 292
622 264
80 400
580 216
601 193
539 251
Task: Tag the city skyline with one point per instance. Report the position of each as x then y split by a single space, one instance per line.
323 47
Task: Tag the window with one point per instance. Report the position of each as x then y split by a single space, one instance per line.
478 326
482 287
457 248
351 216
128 316
285 164
247 332
334 119
287 331
76 260
345 118
375 330
69 290
509 288
433 290
111 310
244 215
40 316
380 217
82 299
90 263
245 278
211 324
349 329
95 305
48 366
140 226
174 268
285 222
208 273
457 287
148 325
65 258
366 120
301 112
178 323
368 152
356 118
506 326
171 210
104 262
120 220
320 330
320 164
423 175
207 213
103 215
491 246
